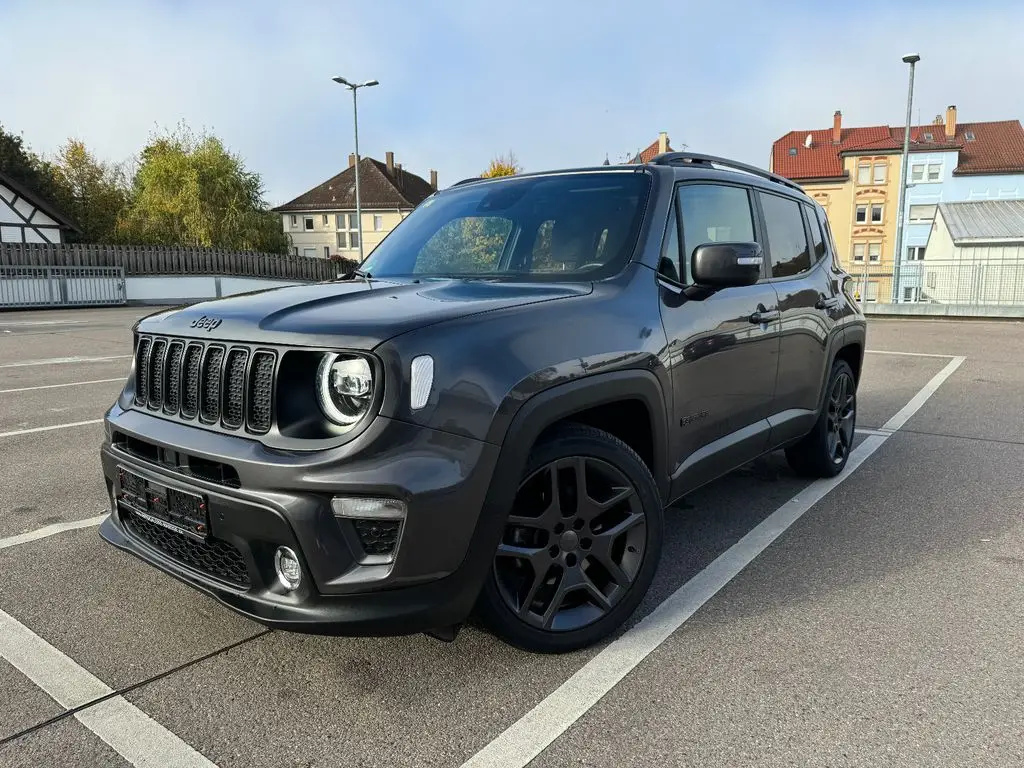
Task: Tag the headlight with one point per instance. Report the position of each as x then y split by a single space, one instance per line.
344 388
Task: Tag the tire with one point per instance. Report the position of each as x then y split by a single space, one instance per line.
824 451
568 574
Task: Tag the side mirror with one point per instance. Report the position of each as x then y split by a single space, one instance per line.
727 265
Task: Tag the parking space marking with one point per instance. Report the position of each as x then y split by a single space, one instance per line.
908 354
50 530
877 432
51 427
132 733
55 386
63 361
525 739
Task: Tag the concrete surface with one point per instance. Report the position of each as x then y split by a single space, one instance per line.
883 628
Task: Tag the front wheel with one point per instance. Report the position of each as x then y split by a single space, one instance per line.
824 452
580 546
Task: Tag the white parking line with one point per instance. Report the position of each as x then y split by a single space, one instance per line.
50 428
63 361
132 733
50 530
878 432
908 354
55 386
521 742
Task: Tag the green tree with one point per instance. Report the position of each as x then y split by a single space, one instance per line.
191 190
502 165
93 193
27 168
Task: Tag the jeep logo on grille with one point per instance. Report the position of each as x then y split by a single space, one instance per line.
206 323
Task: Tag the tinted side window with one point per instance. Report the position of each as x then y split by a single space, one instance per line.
787 241
713 213
817 238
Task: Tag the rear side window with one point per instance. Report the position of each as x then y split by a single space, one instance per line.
714 213
787 239
817 238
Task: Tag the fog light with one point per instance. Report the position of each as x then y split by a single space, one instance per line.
287 566
368 508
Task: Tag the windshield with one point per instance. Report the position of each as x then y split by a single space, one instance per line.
566 226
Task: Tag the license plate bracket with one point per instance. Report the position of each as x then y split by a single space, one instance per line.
184 512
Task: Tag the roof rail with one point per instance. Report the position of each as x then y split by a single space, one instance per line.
470 180
692 158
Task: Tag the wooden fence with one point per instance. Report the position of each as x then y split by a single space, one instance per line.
169 260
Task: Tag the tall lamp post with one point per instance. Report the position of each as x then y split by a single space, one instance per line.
355 118
910 59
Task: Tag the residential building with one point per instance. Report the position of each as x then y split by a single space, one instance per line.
855 174
975 255
322 222
27 218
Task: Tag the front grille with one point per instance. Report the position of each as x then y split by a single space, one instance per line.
214 557
210 382
378 537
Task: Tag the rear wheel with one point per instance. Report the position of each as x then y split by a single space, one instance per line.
824 452
580 546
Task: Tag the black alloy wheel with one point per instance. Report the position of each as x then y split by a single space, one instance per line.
841 413
825 450
580 544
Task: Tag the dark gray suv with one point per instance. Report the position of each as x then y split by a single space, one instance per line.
489 415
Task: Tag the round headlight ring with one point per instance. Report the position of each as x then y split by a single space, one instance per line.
345 388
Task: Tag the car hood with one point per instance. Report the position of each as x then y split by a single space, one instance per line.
358 314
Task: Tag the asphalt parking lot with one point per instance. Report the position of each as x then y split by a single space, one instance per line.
874 620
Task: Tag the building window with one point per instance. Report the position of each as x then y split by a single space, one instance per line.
295 220
327 249
929 137
858 252
925 172
325 219
922 212
378 223
295 250
792 151
881 173
876 214
308 222
911 294
348 235
862 214
309 253
864 173
872 291
915 253
969 135
874 252
931 279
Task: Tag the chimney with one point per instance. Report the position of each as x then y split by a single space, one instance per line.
433 180
951 121
351 159
399 176
662 142
390 159
837 127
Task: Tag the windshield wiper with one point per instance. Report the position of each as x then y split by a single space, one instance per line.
357 273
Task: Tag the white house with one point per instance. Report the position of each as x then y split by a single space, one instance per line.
26 218
974 255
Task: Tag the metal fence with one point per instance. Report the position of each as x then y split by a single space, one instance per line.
986 281
31 286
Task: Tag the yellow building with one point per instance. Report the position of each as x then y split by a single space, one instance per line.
322 222
855 174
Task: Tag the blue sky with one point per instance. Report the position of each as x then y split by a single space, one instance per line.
558 83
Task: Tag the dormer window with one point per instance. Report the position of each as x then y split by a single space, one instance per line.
969 135
792 151
929 137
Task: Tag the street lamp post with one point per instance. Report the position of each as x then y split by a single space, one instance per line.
910 59
355 118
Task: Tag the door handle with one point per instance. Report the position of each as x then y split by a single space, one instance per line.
763 316
826 302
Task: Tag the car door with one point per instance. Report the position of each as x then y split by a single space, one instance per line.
725 342
808 296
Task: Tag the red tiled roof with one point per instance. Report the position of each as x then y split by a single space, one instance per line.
649 154
998 147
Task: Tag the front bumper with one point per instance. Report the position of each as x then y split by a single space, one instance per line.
442 557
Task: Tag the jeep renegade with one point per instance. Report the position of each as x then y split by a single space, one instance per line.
490 414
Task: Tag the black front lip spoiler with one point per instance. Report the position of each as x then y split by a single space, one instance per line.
400 611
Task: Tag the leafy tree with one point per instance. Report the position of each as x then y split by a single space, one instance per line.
93 193
27 168
502 165
191 190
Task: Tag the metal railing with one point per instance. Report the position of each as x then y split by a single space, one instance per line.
29 286
983 281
